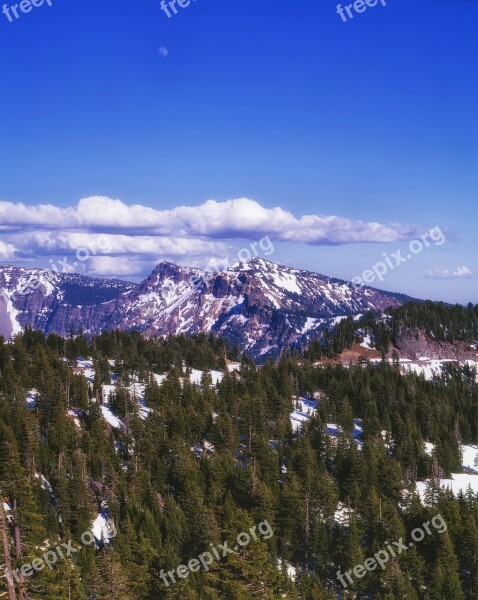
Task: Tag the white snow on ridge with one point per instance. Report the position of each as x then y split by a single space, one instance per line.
459 482
273 299
287 281
429 368
28 282
311 324
426 367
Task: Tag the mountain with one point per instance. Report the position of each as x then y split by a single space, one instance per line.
52 302
259 305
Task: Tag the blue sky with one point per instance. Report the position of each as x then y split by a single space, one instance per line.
371 121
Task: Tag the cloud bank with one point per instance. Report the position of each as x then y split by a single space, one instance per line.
142 234
457 273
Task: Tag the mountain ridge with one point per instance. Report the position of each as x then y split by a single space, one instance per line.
259 305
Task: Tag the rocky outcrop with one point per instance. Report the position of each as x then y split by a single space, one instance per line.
416 344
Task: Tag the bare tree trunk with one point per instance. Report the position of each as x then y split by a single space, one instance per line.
307 529
254 480
6 554
18 552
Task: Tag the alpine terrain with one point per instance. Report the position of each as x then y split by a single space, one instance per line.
261 306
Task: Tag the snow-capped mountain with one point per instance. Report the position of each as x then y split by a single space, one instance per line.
52 302
260 305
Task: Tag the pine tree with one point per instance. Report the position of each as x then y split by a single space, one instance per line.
112 583
445 582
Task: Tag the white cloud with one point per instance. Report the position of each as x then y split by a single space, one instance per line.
20 215
116 255
457 273
54 242
238 218
6 250
129 239
114 266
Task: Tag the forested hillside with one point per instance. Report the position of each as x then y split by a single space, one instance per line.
453 324
181 445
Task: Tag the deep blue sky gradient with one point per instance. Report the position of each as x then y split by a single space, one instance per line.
276 100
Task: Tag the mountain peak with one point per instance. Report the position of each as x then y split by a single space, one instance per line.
257 264
166 265
259 305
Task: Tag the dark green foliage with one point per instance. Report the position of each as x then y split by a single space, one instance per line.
171 494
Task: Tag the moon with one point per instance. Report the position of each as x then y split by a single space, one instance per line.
163 51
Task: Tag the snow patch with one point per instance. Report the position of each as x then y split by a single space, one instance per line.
470 458
44 483
304 410
75 414
429 448
287 281
101 527
196 376
367 343
459 482
32 398
343 514
290 570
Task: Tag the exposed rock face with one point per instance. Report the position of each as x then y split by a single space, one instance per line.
415 344
259 305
